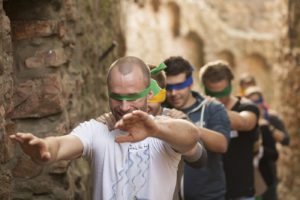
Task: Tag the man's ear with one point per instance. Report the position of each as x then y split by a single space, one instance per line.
150 95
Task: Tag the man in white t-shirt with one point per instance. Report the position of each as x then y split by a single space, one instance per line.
139 158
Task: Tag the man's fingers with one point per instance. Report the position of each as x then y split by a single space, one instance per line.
16 138
35 141
45 156
140 114
26 136
134 117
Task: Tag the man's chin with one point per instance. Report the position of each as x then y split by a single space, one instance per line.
176 104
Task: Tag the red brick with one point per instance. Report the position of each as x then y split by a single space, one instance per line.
60 167
38 98
55 57
32 29
26 168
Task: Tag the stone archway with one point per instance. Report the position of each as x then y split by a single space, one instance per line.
228 56
256 65
174 18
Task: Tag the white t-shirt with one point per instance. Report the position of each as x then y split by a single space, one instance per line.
144 170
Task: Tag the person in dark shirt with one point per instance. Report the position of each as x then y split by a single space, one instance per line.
273 130
206 183
217 78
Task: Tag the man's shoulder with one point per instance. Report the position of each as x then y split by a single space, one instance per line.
209 103
90 128
215 106
95 123
247 105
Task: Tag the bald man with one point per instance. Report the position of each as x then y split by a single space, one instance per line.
136 160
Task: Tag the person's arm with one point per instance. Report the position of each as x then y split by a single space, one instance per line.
242 121
278 135
279 131
197 157
216 135
213 140
181 135
176 114
50 149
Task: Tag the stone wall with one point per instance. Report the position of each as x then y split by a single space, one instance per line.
258 37
53 66
288 73
6 88
242 32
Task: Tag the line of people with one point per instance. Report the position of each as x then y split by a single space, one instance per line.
164 141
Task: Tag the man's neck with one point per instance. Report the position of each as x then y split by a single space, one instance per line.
231 102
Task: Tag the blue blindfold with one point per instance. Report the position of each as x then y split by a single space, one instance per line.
188 82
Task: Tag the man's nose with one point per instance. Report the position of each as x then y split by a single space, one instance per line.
173 92
125 105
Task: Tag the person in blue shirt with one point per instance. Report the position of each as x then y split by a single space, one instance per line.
208 182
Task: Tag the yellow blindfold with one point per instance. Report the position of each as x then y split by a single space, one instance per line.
159 98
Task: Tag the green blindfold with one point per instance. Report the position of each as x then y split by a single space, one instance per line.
132 97
158 69
225 92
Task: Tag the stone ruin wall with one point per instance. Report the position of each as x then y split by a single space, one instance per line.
245 33
288 80
257 37
53 62
54 54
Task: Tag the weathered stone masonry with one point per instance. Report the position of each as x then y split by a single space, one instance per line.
53 61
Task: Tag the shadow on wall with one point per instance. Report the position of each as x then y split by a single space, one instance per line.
256 65
174 18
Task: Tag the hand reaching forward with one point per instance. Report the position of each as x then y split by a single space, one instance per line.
139 126
33 146
177 114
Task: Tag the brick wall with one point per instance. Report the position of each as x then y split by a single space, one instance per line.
288 84
53 66
6 87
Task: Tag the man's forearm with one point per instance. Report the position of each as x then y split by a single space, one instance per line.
180 134
244 121
213 141
196 157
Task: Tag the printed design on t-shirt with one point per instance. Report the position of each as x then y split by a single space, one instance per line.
133 179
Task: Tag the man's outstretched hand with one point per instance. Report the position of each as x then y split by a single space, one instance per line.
33 146
139 126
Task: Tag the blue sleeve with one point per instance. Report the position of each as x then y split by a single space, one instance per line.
218 119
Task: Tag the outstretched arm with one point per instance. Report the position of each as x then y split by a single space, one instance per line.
213 140
50 149
180 134
242 121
